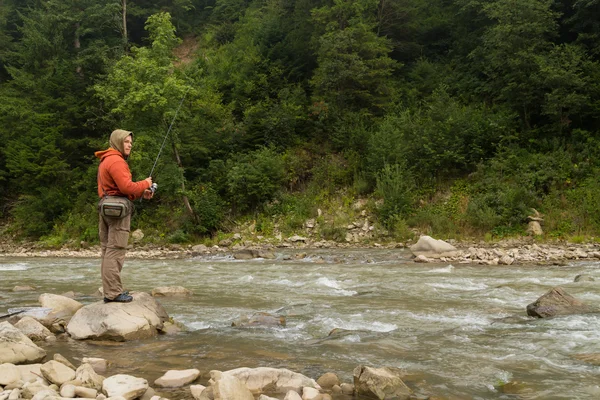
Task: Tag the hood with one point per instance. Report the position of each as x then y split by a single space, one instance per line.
102 154
116 139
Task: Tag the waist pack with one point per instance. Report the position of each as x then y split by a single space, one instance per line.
115 206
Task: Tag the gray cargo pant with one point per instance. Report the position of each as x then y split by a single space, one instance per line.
114 234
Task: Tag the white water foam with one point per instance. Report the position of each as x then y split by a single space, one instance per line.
446 270
14 267
332 283
461 285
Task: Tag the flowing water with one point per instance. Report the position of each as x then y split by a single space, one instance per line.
459 331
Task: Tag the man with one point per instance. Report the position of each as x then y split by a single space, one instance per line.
116 191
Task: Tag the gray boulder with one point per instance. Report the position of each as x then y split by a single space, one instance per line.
557 302
140 319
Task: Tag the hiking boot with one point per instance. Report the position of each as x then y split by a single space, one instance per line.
122 298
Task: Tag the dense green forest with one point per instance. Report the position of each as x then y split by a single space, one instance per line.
451 117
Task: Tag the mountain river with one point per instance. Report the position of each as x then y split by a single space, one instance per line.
458 331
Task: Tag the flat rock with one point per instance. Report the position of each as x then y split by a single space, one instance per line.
275 380
126 386
177 378
142 318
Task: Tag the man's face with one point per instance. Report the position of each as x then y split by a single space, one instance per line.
127 143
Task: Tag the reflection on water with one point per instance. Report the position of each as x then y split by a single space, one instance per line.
459 331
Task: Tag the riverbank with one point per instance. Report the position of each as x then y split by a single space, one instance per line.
506 252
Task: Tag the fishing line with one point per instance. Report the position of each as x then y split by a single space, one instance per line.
168 131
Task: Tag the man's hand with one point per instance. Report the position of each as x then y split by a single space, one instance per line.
148 194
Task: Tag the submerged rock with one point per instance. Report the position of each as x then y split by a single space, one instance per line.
260 319
171 291
142 318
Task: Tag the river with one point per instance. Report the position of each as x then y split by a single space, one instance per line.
459 331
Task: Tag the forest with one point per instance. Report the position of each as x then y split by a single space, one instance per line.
453 118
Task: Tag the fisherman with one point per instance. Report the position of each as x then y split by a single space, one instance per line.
116 191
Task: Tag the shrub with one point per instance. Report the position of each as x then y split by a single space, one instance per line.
208 207
396 187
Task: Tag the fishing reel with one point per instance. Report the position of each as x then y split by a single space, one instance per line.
153 187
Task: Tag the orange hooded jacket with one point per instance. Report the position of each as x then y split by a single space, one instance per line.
114 176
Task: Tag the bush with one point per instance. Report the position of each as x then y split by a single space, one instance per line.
208 207
396 187
254 178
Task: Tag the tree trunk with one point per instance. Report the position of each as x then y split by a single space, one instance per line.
186 201
77 45
124 8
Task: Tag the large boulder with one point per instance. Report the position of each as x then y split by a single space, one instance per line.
432 248
16 348
56 372
228 387
381 383
272 380
142 318
557 302
59 303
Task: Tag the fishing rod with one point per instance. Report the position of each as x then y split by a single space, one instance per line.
154 185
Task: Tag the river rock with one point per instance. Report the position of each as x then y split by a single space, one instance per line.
45 394
33 329
197 390
30 389
59 303
67 391
98 364
557 302
16 348
85 392
164 291
328 380
56 372
309 393
432 248
274 380
63 360
265 397
260 319
126 386
292 395
382 383
177 378
9 373
228 387
584 278
30 371
23 288
142 318
87 377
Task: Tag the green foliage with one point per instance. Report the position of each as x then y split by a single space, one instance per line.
254 178
208 207
396 187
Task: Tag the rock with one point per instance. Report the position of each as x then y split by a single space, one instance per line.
164 291
265 397
137 236
197 391
557 302
421 259
68 391
297 238
30 372
56 372
142 318
175 378
506 260
148 394
292 395
382 383
245 254
9 373
85 392
228 387
534 228
275 380
336 389
199 249
584 278
45 394
126 386
432 248
30 389
16 348
328 380
260 319
59 303
14 394
63 360
309 393
87 377
99 365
